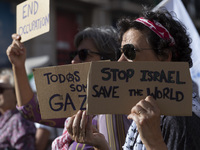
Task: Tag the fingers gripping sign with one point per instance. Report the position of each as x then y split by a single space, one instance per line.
81 129
16 52
77 126
145 107
146 115
69 125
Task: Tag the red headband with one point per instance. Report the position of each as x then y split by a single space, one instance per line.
158 28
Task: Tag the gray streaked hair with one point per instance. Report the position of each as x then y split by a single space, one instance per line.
105 38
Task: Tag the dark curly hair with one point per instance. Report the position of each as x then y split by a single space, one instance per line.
180 51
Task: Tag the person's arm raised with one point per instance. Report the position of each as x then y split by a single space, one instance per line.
16 53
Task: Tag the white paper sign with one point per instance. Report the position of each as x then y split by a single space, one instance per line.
33 18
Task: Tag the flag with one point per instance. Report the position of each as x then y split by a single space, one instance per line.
179 9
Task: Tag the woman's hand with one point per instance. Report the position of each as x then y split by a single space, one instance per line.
16 52
81 130
146 115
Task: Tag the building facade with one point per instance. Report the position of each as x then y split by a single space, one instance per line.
67 17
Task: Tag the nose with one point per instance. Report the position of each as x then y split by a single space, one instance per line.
122 58
76 60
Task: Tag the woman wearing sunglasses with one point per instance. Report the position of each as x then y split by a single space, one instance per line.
156 36
15 130
92 44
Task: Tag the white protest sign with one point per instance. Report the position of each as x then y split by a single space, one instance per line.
33 18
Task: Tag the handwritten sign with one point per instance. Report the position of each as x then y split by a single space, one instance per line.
32 18
61 90
114 88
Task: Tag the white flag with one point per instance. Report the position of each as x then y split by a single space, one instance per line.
182 14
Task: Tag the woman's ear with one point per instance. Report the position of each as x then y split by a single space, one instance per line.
167 57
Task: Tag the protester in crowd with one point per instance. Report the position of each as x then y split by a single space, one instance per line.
16 133
93 44
42 136
156 36
45 135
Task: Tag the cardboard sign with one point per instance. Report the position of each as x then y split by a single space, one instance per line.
114 88
32 18
61 90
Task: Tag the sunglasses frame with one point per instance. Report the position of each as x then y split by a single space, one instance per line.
85 53
129 51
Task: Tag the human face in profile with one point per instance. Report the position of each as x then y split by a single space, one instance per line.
86 52
143 50
7 94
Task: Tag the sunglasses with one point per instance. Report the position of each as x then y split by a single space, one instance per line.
2 89
130 51
83 53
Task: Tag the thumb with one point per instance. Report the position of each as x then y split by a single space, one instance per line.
89 123
94 130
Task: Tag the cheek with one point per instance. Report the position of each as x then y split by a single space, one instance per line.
75 60
92 58
123 58
146 56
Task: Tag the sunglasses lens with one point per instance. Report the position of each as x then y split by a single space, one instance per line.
129 51
83 54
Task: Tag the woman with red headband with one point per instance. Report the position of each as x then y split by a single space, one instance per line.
156 36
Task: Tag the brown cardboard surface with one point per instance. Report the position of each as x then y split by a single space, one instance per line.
33 18
115 87
61 90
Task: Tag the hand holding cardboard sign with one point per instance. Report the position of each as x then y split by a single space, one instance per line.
80 128
17 55
16 51
146 115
